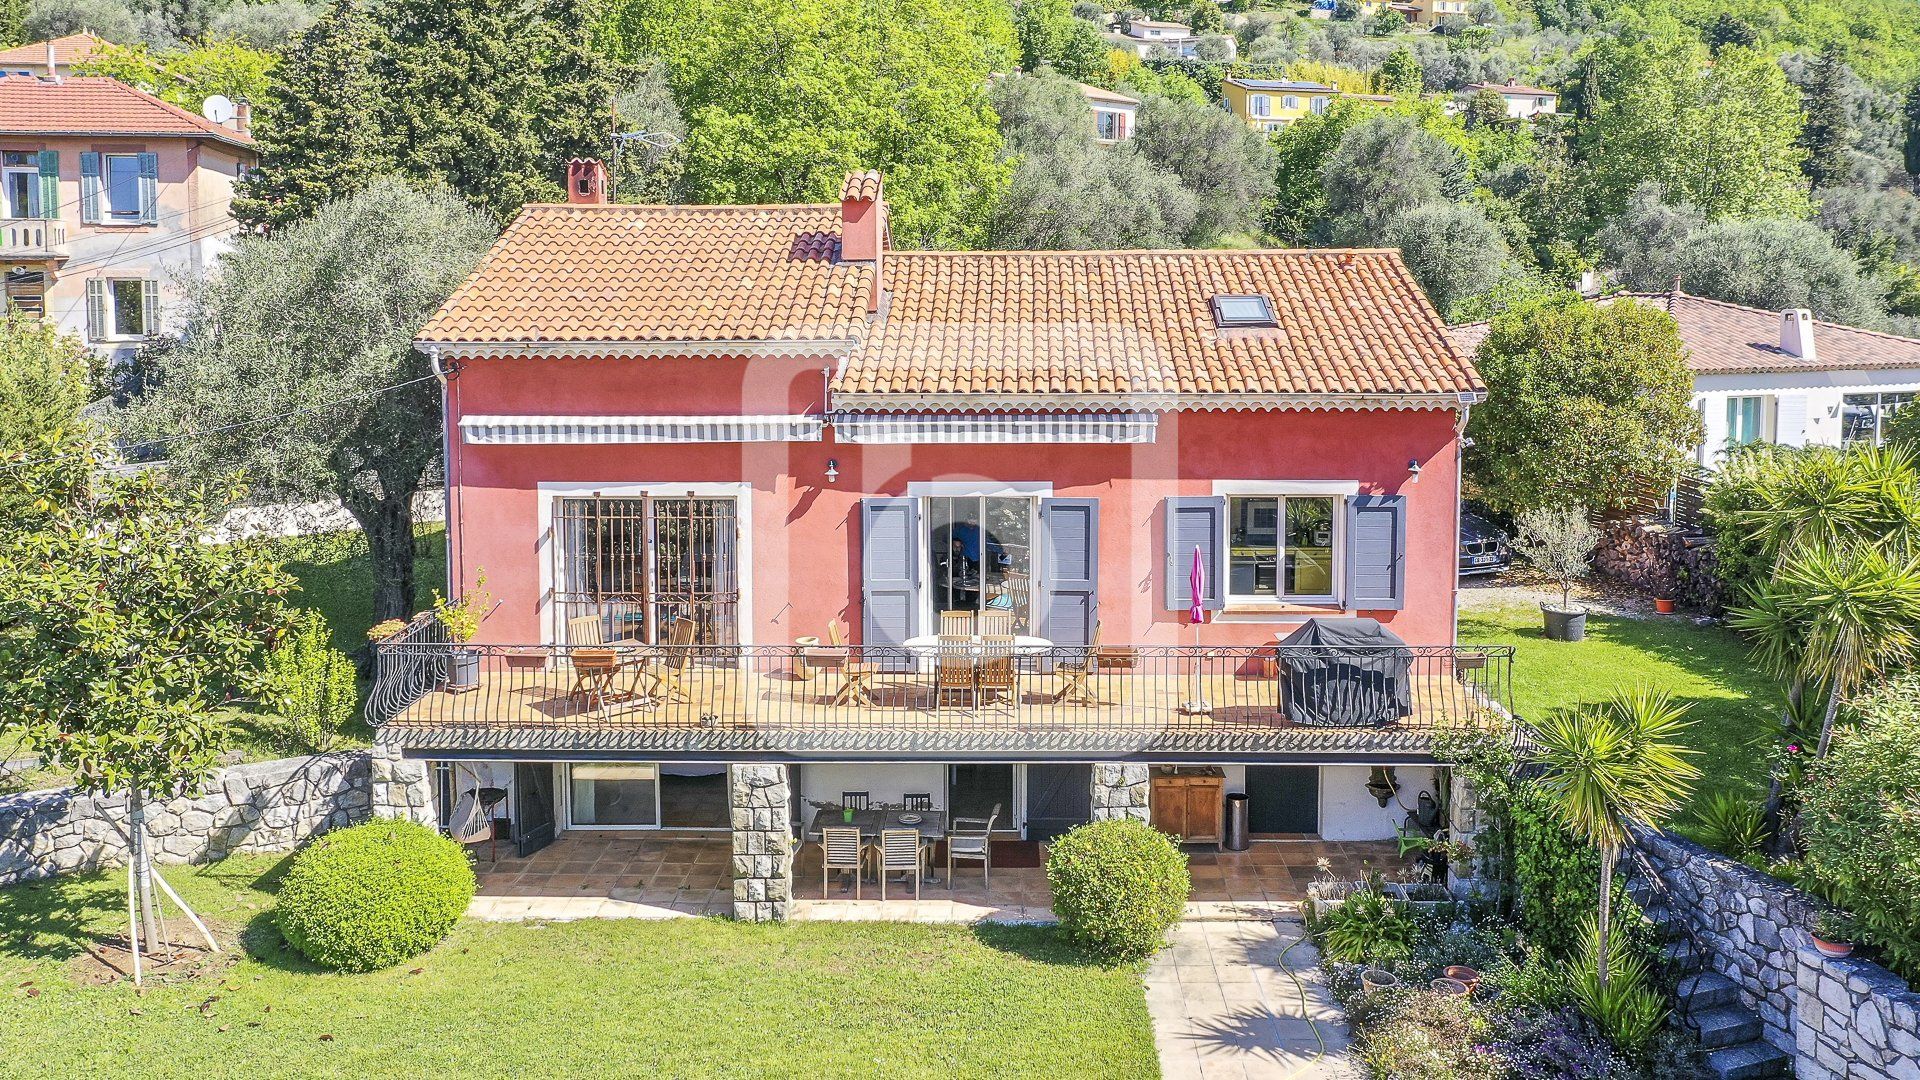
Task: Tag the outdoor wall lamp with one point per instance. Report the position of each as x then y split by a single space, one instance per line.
1382 785
1413 470
833 470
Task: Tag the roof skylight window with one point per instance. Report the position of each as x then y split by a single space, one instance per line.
1236 311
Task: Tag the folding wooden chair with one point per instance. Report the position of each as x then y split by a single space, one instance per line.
669 684
1074 672
956 624
594 668
996 624
953 669
996 673
856 675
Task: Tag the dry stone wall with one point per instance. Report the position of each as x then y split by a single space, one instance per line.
266 806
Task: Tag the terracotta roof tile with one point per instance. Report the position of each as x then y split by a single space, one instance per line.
1115 323
587 273
97 106
66 50
1005 324
860 187
1733 339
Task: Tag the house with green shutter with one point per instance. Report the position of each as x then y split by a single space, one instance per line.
765 531
106 192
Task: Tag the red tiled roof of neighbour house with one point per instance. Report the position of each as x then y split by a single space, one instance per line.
1733 339
1098 93
66 50
654 274
1021 328
1513 88
85 105
1036 325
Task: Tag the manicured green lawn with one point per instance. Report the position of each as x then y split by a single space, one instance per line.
1734 705
681 998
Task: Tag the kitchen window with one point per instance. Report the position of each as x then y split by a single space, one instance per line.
1863 417
20 184
1281 548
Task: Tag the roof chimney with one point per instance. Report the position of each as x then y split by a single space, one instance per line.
242 122
1796 333
53 67
587 182
863 225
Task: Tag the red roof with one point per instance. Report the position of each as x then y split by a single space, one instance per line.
66 50
90 106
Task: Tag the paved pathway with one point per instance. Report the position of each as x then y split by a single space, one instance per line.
1241 1000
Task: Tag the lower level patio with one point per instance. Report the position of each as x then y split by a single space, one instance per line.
626 875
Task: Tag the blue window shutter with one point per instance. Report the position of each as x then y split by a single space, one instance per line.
149 189
1377 552
889 577
1195 522
50 185
1067 594
90 188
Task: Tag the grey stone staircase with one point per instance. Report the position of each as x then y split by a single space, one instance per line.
1709 1005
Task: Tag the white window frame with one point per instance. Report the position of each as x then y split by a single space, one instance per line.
1341 491
1881 410
1765 411
740 492
112 328
565 820
923 490
1290 102
1119 119
110 214
32 173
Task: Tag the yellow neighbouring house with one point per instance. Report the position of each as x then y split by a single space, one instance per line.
1270 104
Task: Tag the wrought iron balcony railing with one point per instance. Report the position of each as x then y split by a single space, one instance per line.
773 691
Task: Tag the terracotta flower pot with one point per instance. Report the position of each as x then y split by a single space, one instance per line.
1451 987
1833 950
1663 606
1464 974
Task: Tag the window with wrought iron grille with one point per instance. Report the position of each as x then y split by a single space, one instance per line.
625 569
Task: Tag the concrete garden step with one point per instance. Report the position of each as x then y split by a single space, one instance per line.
1705 990
1680 952
1725 1025
1754 1060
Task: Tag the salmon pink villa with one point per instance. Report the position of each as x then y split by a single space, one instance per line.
783 529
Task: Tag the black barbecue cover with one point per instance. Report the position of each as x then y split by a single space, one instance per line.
1345 673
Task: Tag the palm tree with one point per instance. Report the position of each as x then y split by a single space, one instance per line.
1860 607
1612 765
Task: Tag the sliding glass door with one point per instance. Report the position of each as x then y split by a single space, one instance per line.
981 553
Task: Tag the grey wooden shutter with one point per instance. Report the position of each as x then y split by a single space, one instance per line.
1377 552
149 189
889 577
50 185
90 188
1195 522
150 307
1068 590
97 324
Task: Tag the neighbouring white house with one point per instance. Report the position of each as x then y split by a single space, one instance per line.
1143 36
1114 114
1778 376
1523 102
50 59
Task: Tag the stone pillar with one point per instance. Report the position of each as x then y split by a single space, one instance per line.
1463 824
401 786
762 842
1120 791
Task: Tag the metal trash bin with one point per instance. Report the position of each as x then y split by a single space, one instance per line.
1236 835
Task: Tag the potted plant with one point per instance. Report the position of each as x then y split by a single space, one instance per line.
1833 934
461 620
381 631
1559 542
1663 604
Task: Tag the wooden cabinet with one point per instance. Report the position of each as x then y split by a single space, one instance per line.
1190 803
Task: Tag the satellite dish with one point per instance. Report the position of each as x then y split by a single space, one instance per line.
217 108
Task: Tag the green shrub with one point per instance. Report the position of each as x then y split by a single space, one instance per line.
311 684
1365 928
373 895
1557 875
1858 821
1732 825
1117 887
1627 1007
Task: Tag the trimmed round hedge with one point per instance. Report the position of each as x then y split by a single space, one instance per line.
1117 887
373 895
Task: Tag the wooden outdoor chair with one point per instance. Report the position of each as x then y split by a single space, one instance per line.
917 800
856 800
594 668
996 624
956 624
669 683
972 844
901 849
856 675
996 673
840 849
953 669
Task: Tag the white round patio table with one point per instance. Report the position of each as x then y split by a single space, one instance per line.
931 645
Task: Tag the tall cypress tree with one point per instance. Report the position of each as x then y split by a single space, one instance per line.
1912 153
490 97
1827 136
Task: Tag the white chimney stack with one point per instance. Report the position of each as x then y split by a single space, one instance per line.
1796 333
1589 283
53 68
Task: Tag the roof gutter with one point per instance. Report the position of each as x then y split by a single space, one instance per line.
635 350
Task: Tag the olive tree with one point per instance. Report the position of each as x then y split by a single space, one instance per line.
315 324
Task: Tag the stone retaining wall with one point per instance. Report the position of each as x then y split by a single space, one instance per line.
267 806
1840 1019
1662 561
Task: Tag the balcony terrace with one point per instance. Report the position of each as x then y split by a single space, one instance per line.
781 701
32 238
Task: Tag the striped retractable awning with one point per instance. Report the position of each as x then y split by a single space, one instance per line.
897 428
505 430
